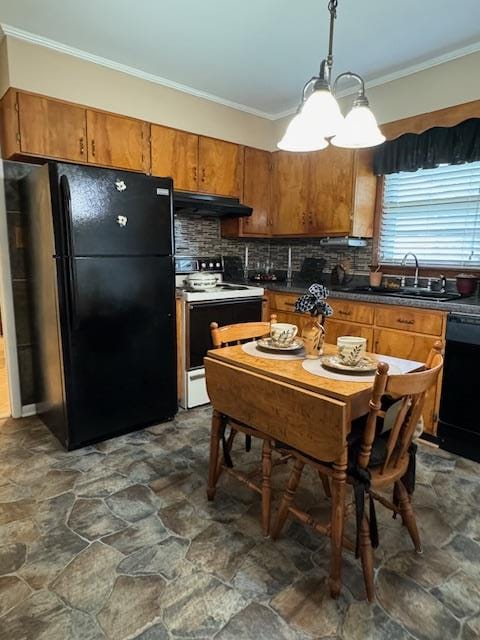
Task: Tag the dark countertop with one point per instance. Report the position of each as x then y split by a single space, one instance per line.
470 306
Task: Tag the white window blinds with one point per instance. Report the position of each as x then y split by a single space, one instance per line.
435 213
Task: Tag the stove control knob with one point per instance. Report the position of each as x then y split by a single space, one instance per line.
218 265
210 265
203 265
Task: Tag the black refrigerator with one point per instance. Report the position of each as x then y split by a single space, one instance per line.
103 292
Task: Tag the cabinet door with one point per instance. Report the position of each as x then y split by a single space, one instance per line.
257 191
331 191
175 154
51 128
336 328
300 319
117 141
221 167
291 192
412 347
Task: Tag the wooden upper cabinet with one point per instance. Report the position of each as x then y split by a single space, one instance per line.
175 154
330 191
118 141
9 126
51 128
324 193
290 187
220 167
257 191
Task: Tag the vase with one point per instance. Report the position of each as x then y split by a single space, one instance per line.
313 336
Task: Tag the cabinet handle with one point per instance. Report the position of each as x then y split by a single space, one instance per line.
402 321
82 146
289 304
344 313
195 174
93 148
203 174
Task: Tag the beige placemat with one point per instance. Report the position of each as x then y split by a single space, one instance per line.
397 366
252 350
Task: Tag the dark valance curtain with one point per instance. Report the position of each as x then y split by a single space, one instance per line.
440 145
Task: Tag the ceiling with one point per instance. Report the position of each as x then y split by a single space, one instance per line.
256 53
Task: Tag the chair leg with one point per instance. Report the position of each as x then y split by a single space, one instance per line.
214 457
221 461
337 524
366 554
408 516
266 486
326 484
287 498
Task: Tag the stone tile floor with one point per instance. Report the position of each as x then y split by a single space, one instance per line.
118 541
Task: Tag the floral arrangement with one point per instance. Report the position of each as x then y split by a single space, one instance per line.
315 301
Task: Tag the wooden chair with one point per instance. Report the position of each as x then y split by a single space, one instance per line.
222 337
393 453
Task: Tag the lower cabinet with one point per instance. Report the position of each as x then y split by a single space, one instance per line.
336 328
418 331
300 319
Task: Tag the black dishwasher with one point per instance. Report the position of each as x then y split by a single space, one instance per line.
459 424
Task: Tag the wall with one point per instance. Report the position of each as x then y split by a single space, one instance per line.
4 73
444 85
41 70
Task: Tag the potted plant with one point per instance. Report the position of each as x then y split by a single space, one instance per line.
315 303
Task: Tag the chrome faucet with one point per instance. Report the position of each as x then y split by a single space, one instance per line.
403 263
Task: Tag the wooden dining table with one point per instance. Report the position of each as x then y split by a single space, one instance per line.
309 412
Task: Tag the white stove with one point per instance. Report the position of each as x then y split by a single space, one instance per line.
226 303
223 290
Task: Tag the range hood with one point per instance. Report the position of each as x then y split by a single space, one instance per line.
344 241
203 205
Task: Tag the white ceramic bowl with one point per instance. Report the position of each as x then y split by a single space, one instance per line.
202 281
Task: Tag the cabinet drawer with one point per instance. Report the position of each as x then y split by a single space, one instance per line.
283 301
408 319
351 311
336 328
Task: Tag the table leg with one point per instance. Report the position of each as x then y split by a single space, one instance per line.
337 521
214 450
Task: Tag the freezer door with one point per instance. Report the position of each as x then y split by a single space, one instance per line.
109 212
122 369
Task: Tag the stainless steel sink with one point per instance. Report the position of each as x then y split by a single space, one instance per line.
408 292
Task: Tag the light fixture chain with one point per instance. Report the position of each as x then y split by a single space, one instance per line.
332 7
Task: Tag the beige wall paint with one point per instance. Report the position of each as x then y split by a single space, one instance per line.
445 85
4 74
42 70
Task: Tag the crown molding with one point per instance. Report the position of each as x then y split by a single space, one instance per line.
400 73
33 38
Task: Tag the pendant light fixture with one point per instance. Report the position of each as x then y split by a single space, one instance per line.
319 118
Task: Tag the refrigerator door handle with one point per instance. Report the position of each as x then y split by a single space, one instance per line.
70 272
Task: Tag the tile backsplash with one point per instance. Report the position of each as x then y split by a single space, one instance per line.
201 237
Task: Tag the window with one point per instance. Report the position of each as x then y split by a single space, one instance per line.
435 213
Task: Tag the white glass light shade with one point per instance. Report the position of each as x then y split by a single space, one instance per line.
301 136
322 112
359 130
